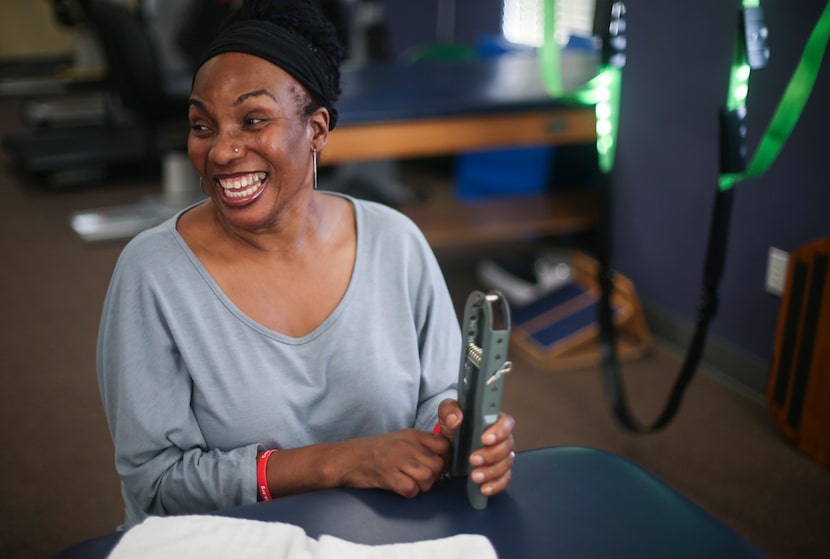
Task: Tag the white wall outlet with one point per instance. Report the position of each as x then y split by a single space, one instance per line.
777 261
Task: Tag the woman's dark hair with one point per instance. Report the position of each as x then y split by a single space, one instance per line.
304 18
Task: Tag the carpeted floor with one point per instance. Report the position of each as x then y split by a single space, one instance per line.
57 481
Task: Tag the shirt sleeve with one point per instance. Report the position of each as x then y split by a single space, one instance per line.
160 452
439 338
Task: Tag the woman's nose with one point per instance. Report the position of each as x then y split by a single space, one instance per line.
225 149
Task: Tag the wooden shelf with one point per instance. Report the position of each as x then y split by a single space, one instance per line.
447 221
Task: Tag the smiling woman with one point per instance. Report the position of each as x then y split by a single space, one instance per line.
274 338
241 143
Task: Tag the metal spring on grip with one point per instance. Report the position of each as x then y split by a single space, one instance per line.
474 354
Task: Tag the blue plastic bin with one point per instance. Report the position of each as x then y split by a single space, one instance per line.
503 172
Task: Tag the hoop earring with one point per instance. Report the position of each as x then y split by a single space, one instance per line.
314 157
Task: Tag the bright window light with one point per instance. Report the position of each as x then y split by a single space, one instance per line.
522 20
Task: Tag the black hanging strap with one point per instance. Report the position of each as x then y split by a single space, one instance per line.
713 271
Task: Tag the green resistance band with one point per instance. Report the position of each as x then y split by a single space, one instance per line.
792 102
603 91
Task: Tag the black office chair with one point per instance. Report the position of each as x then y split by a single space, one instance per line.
159 103
135 73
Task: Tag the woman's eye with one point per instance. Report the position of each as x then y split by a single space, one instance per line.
253 121
198 127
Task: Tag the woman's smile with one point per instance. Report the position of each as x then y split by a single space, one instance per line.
241 189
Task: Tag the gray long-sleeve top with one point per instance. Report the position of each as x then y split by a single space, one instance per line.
193 388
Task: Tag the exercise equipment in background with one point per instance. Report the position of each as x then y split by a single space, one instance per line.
750 51
558 330
158 100
77 141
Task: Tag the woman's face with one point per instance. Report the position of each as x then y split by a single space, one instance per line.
248 139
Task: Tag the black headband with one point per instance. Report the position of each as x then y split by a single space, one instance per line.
281 47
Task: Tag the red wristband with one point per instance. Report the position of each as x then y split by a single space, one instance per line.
262 475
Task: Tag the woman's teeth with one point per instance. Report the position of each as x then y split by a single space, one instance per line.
250 183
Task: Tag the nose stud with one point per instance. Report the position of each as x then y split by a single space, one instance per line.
236 150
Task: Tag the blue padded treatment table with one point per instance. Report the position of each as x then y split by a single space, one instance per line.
562 502
437 108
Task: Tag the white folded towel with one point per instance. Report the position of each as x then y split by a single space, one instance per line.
462 546
207 537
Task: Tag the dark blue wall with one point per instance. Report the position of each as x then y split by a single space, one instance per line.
667 165
674 83
414 23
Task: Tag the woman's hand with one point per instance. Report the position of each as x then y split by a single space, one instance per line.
493 462
407 462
